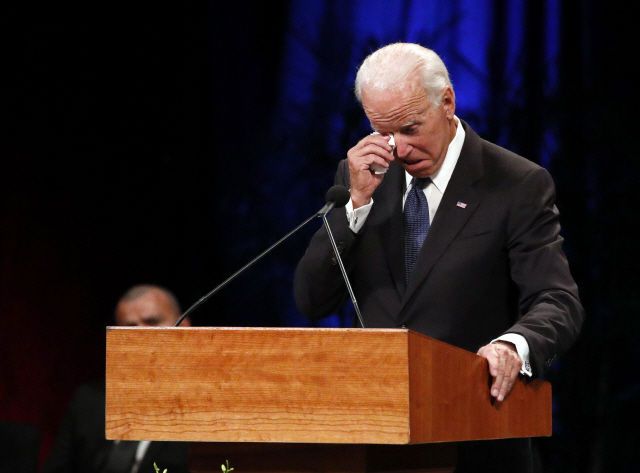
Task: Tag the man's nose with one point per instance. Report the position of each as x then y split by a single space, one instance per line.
403 148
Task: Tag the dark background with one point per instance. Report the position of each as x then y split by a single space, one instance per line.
171 144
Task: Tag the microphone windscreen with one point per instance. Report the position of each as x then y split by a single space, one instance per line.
338 194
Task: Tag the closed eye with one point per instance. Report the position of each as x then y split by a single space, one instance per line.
410 130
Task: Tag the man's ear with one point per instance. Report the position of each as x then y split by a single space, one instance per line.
449 102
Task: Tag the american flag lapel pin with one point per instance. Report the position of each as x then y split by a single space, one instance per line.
462 205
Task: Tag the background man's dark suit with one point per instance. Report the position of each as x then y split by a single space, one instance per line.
81 446
492 267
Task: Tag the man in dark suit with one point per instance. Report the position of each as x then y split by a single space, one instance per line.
81 446
448 235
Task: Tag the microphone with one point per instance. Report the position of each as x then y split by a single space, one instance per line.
336 197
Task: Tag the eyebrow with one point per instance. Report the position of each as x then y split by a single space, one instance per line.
410 123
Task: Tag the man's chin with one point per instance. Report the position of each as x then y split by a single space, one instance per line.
419 169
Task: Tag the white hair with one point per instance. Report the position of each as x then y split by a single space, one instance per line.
394 66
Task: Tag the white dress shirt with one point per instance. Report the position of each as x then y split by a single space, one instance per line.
141 450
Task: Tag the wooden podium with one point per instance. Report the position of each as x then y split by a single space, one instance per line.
302 400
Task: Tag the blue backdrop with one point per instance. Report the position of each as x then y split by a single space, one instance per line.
524 74
503 57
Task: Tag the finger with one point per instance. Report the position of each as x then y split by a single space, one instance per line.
512 369
381 163
505 388
372 149
364 163
380 140
499 375
512 374
370 145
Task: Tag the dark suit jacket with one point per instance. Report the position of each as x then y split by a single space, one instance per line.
81 446
493 267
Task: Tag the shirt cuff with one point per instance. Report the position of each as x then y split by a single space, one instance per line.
357 217
522 347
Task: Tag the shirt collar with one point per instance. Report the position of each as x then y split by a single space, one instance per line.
441 178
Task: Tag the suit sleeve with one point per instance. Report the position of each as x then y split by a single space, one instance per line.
80 445
318 286
62 457
550 311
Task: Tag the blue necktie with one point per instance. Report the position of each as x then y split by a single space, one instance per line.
416 222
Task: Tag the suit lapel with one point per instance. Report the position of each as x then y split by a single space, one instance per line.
388 208
450 218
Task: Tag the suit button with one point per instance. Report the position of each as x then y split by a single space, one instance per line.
334 261
341 246
548 363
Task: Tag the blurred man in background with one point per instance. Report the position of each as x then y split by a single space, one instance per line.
81 446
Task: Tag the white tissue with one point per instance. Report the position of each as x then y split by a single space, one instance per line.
376 168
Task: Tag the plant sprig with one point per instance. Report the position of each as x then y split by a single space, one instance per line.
225 469
158 469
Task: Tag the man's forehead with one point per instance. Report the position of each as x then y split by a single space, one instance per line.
153 302
400 111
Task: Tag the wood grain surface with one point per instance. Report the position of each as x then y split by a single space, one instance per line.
257 385
450 399
361 386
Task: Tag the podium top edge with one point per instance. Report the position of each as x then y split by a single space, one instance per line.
269 329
